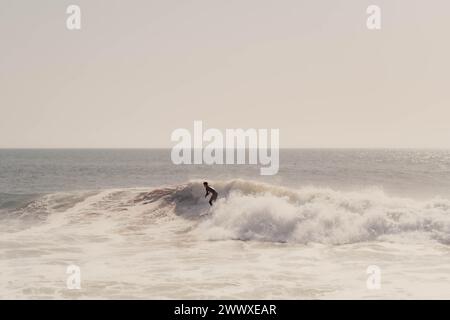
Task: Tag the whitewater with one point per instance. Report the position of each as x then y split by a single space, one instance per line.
258 241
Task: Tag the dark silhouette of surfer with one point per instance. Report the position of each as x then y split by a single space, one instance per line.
212 191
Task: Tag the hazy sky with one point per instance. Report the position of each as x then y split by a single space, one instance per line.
140 69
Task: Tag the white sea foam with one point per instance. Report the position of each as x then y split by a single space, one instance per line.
168 243
249 210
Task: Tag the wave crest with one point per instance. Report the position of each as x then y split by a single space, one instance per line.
249 210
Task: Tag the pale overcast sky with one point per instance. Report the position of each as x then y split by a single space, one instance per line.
140 69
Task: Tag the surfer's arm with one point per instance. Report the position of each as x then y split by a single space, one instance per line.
207 192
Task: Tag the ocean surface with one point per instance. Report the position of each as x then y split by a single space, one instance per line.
139 226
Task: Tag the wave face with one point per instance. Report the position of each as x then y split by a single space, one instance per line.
249 210
253 211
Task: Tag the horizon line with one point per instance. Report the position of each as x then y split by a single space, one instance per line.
168 148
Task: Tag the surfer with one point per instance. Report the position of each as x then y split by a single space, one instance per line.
212 191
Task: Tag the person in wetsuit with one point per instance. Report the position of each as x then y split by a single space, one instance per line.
212 191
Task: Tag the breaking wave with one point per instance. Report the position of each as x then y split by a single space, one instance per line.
249 210
253 211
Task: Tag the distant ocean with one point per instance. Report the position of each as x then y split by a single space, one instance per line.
139 226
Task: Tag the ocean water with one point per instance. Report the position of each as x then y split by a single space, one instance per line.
139 226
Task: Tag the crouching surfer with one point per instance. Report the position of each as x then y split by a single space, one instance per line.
209 190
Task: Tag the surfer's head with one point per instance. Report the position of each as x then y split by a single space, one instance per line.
205 183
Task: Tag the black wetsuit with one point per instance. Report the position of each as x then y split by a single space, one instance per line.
213 192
